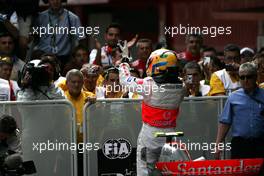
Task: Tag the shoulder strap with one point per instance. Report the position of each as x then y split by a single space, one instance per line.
43 93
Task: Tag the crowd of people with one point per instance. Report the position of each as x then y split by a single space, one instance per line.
59 66
204 71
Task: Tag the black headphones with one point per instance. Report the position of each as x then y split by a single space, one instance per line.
110 70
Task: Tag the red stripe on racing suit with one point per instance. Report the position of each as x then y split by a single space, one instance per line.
162 118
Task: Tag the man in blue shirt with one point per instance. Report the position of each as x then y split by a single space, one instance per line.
244 111
59 31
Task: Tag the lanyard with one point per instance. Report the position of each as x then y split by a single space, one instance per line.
53 37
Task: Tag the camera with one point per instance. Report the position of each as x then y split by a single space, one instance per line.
230 67
206 60
189 79
37 76
13 165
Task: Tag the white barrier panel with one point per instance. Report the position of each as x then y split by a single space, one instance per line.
48 135
108 121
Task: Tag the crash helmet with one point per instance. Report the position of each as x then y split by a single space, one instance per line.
163 64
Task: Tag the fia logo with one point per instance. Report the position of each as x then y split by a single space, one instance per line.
117 148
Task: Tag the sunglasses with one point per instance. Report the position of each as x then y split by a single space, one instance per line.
232 58
243 77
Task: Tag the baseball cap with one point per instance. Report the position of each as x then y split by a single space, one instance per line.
247 51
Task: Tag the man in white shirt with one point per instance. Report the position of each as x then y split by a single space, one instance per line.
103 56
7 47
8 88
192 80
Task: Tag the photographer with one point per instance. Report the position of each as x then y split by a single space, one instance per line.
10 141
192 77
11 163
37 80
224 81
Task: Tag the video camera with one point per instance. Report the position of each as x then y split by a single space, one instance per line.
37 75
13 165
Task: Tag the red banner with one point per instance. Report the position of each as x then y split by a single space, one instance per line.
241 167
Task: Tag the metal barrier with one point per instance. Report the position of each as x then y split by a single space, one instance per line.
111 129
199 120
115 123
48 135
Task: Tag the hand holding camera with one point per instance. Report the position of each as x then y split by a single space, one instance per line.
189 79
26 80
192 85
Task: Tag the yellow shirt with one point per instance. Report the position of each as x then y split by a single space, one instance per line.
135 96
78 104
99 83
63 85
217 85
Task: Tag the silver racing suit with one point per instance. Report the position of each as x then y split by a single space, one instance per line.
160 108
